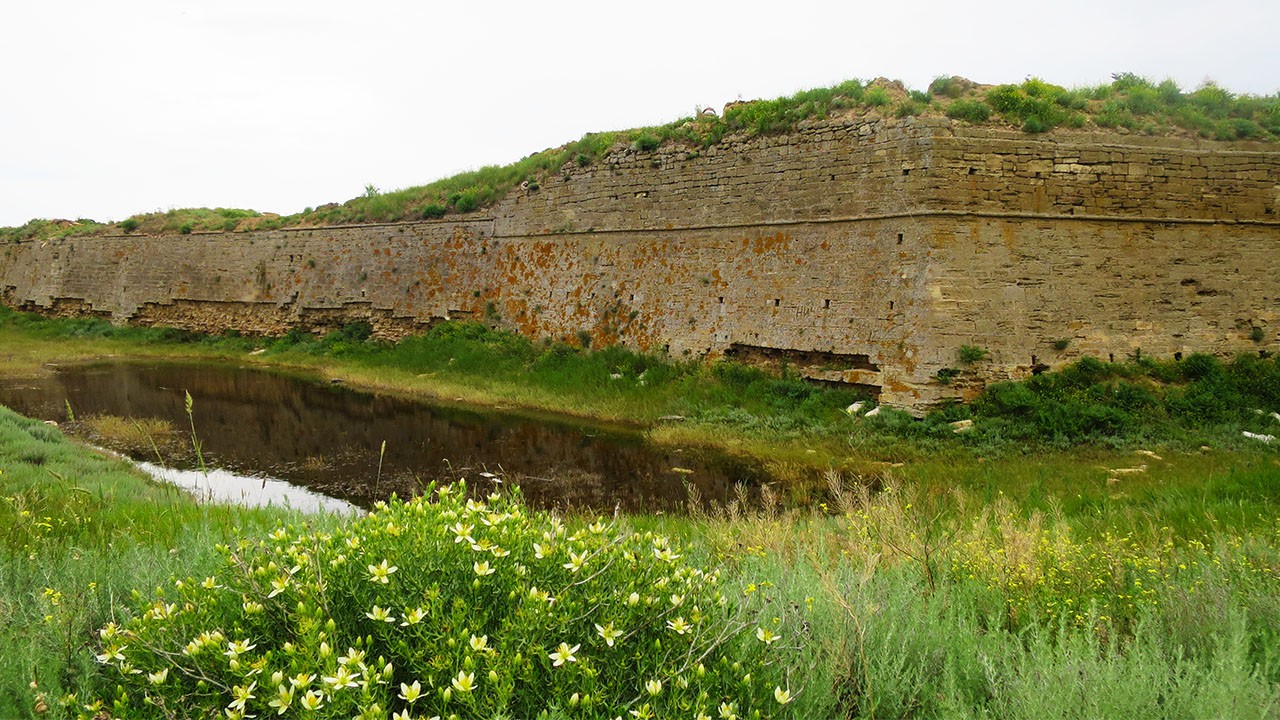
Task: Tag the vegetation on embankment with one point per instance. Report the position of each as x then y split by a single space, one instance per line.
1127 104
797 430
1184 402
900 602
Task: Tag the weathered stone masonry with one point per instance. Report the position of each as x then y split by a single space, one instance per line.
860 251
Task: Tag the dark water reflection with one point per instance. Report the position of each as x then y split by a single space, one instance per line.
328 438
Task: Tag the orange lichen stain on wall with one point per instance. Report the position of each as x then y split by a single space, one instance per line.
769 243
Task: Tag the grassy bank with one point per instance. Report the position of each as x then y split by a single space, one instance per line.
1098 429
903 601
78 534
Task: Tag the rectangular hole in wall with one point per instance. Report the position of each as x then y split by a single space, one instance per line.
777 302
906 171
890 304
826 303
973 171
899 238
721 300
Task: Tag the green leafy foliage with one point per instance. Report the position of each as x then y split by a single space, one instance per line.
445 605
973 111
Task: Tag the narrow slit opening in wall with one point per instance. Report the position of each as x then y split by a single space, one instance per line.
826 304
906 171
721 299
973 171
777 302
900 238
890 304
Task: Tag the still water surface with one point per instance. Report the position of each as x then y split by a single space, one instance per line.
328 439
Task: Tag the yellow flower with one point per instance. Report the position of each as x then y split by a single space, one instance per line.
782 696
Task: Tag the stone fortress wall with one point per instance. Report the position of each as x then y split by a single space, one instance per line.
861 251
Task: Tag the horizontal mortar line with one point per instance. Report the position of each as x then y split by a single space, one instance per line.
1152 149
900 215
731 226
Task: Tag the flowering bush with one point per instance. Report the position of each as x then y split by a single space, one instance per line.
450 607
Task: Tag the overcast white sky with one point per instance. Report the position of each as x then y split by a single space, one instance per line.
114 108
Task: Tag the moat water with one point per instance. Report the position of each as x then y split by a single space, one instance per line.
271 438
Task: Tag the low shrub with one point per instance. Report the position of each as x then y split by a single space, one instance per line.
449 606
974 111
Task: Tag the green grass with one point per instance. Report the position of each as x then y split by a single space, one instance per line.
1130 103
909 601
1005 572
78 534
797 429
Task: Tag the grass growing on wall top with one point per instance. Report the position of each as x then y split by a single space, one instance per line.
1130 103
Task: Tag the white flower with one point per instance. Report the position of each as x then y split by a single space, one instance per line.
564 654
237 648
665 554
413 617
680 626
462 533
282 700
465 682
576 561
278 586
607 633
241 694
380 614
158 676
766 637
381 573
312 700
653 686
782 696
410 693
482 568
479 644
343 678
